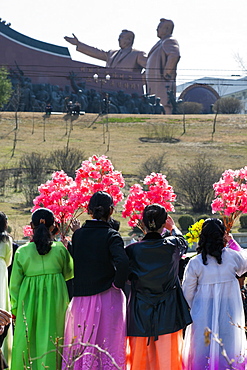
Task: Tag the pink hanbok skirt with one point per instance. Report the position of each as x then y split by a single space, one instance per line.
97 320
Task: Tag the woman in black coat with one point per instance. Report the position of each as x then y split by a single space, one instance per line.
157 310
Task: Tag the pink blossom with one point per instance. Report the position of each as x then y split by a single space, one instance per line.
27 231
67 197
231 195
159 191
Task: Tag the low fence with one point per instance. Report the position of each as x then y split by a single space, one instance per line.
241 238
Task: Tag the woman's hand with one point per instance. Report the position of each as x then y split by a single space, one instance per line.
75 224
170 224
4 317
228 237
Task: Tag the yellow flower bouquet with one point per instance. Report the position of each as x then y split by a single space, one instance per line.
194 232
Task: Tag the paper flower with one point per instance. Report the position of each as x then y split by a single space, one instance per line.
158 191
68 198
231 196
98 174
28 231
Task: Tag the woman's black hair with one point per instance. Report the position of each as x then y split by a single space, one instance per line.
154 216
42 220
211 239
3 227
100 205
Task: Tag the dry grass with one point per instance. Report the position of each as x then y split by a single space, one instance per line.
121 144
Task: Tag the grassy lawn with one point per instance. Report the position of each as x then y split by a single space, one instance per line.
123 139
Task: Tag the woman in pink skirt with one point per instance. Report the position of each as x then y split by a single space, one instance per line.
96 314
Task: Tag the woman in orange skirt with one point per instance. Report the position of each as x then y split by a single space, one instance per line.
157 310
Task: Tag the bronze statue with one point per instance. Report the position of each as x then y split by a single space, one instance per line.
162 64
126 58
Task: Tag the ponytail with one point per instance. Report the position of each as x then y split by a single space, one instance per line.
100 205
42 220
154 216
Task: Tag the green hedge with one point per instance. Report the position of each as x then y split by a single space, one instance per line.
185 221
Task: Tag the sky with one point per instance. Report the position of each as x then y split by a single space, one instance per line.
212 34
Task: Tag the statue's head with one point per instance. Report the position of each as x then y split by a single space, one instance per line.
126 39
165 28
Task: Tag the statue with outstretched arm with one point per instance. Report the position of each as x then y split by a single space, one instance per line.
126 58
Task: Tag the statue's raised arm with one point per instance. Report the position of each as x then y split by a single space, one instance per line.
126 58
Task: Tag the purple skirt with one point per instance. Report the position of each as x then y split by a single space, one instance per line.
96 320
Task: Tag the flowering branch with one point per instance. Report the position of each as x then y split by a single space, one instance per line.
159 191
218 340
231 196
69 198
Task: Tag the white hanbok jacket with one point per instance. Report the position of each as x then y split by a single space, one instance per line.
213 294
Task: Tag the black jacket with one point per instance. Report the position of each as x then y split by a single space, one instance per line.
157 305
99 258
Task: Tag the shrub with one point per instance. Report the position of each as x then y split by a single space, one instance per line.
155 163
227 105
68 160
33 168
185 221
160 132
243 221
189 107
5 87
195 182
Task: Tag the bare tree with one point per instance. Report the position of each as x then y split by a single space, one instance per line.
240 62
156 164
195 183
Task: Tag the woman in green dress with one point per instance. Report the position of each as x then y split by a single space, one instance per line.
39 296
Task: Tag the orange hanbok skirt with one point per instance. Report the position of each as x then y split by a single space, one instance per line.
162 354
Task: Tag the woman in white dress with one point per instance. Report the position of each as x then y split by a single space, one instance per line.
213 294
5 261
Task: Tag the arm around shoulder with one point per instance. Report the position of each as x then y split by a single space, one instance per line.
68 263
120 260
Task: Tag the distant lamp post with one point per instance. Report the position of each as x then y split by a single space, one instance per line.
96 78
104 105
105 101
